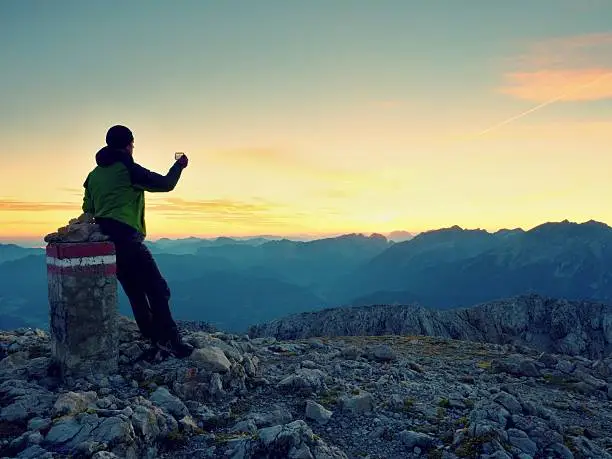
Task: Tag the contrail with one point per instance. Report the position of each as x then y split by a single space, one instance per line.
543 104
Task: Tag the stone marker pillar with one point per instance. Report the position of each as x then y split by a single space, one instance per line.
83 312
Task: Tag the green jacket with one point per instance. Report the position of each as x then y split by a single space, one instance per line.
114 190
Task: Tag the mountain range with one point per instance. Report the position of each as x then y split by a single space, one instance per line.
9 252
235 283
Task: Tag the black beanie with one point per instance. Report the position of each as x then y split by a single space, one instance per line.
119 137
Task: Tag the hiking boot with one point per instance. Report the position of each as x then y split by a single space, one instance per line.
177 348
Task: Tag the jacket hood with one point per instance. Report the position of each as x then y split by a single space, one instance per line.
107 156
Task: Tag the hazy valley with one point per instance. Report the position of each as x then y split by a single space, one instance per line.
236 283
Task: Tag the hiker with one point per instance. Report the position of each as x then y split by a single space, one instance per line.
114 196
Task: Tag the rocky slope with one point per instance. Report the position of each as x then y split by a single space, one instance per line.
352 397
552 325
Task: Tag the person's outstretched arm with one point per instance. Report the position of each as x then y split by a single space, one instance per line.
152 181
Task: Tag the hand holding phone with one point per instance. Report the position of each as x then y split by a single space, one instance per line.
181 158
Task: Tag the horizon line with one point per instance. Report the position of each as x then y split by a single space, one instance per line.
40 238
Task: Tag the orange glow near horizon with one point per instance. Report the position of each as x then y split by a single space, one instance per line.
264 192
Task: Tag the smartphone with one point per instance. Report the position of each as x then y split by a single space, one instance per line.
178 155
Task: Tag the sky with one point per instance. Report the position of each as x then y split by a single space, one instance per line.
318 117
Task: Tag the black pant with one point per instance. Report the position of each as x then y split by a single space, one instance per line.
147 291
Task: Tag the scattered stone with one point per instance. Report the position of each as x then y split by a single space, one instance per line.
509 402
81 229
436 398
276 415
415 439
317 412
294 440
304 380
382 353
521 440
247 426
170 403
358 404
72 403
210 359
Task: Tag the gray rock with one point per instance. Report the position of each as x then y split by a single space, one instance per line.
509 402
598 384
145 422
35 452
497 455
357 404
39 424
308 364
188 425
250 365
114 431
131 351
210 359
23 400
565 366
105 455
71 432
277 415
383 353
304 380
583 388
215 387
521 440
485 410
317 412
247 426
548 360
351 352
35 438
415 439
71 403
293 441
170 403
560 450
586 448
528 367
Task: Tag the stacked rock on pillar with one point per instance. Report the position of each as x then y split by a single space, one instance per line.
83 312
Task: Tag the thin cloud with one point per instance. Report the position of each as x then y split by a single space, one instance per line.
569 85
23 222
577 68
216 209
256 213
15 205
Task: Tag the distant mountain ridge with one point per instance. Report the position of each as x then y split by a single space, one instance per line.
10 252
454 267
549 324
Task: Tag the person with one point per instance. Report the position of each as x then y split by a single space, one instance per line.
114 196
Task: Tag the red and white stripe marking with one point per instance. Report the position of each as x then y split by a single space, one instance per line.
82 258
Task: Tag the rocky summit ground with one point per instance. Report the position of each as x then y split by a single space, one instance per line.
351 397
